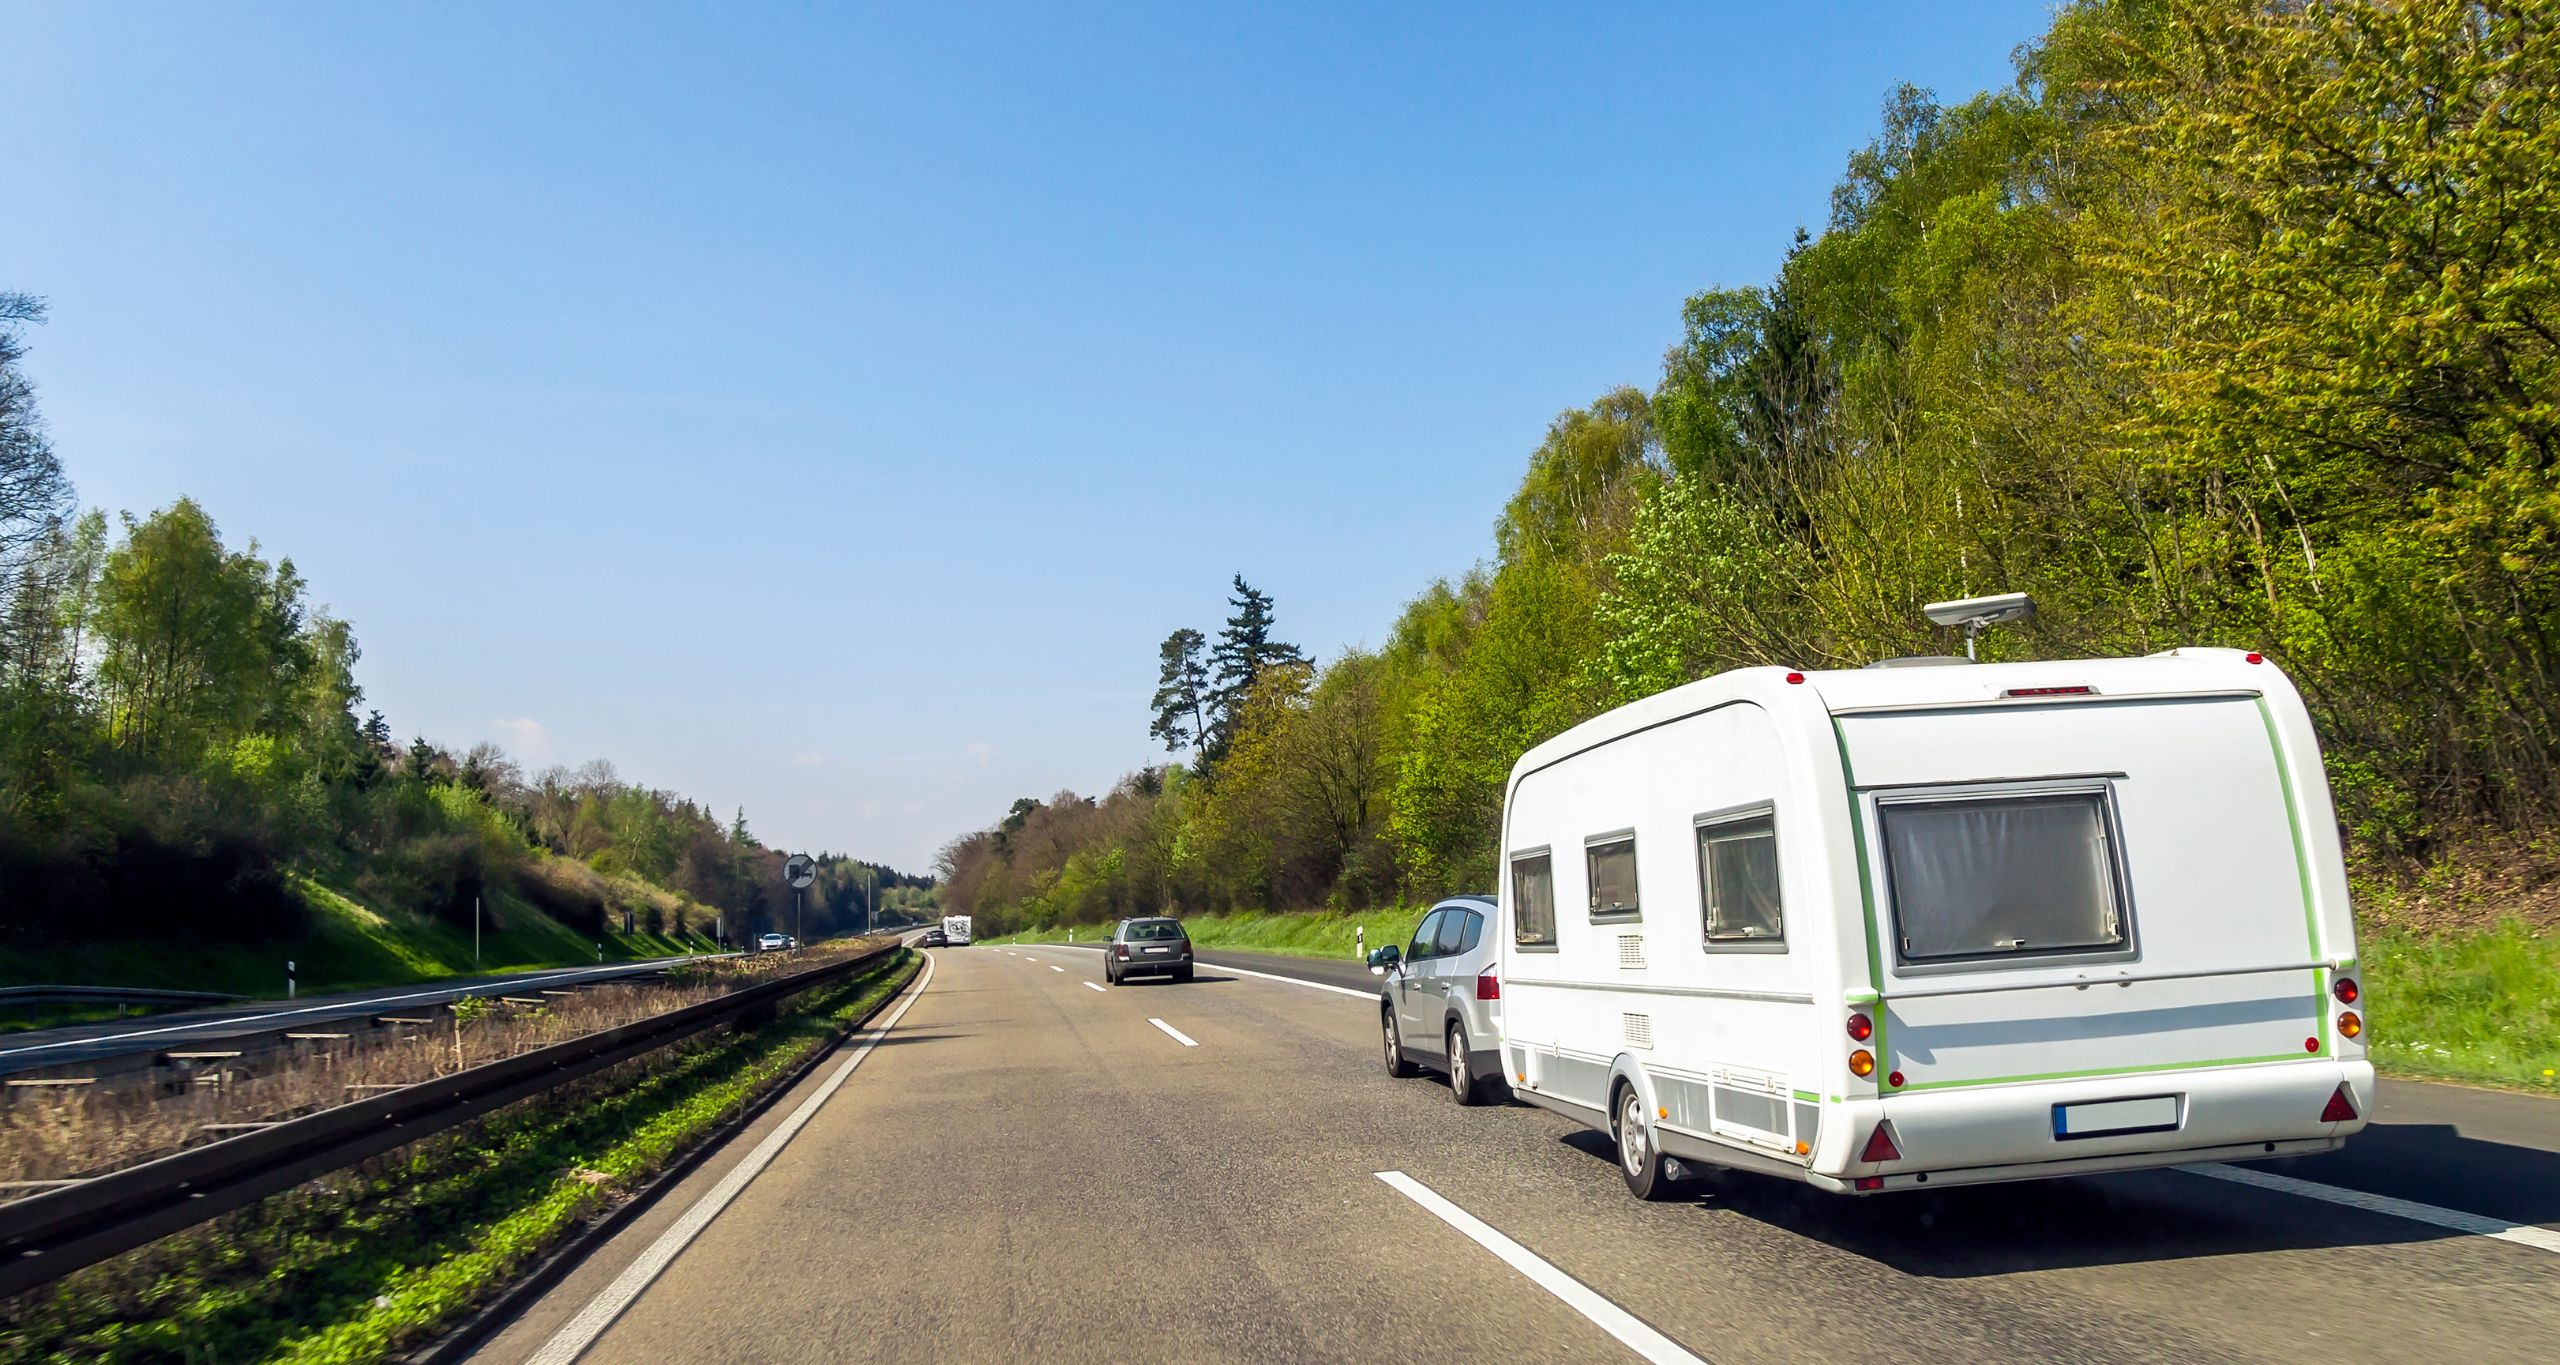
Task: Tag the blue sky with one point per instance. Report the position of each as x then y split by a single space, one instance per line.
826 410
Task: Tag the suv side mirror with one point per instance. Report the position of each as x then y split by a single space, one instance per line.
1382 958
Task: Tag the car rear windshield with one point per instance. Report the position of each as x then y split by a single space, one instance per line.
2012 876
1155 928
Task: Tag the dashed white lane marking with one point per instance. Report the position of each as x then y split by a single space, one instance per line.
1174 1033
2522 1234
1055 968
571 1341
1288 980
1629 1329
1092 987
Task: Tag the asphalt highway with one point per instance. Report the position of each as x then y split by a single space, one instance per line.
1026 1165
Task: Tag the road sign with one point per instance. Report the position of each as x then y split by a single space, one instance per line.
800 870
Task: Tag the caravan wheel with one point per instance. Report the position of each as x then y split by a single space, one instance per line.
1637 1159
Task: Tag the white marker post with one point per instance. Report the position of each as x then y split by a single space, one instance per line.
288 978
1360 941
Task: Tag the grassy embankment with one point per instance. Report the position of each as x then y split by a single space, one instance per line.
2463 1000
347 947
363 1265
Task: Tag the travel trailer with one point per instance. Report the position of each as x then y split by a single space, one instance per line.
1923 926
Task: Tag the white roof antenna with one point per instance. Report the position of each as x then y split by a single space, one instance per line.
1974 613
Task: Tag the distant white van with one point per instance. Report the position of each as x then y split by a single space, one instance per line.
1896 927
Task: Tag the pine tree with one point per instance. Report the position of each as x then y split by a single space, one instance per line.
1182 692
1245 648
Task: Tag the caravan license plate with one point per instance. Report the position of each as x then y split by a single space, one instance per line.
2108 1118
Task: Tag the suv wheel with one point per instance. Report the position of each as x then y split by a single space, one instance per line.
1462 1079
1397 1066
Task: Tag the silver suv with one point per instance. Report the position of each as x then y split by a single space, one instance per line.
1441 1003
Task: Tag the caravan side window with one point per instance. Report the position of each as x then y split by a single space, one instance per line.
1533 900
1738 881
1611 860
1985 876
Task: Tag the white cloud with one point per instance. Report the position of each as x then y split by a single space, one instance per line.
982 751
808 759
525 739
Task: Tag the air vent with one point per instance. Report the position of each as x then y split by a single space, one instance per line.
1631 952
1639 1029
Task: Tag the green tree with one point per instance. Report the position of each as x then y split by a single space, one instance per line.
1181 701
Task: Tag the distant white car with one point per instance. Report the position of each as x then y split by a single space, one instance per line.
773 943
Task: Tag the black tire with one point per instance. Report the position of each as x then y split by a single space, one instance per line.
1397 1066
1645 1169
1465 1086
1109 977
1182 974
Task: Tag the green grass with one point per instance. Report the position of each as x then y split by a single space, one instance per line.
2482 1007
382 1258
1309 933
348 947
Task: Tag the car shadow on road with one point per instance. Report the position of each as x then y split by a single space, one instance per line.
2119 1219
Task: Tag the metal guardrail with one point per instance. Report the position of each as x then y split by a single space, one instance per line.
50 1235
110 995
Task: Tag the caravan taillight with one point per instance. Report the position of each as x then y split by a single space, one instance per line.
1862 1062
1880 1144
2345 990
2350 1025
1488 986
1861 1027
2253 658
2341 1108
1795 677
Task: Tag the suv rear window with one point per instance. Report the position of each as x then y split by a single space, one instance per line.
2002 876
1154 929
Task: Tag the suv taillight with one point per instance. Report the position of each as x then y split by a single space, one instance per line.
1120 951
1488 986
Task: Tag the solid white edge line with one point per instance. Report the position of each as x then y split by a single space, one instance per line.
1174 1033
2522 1234
572 1340
1630 1330
1092 987
1267 976
350 1007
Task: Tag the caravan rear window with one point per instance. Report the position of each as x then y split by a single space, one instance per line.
2003 876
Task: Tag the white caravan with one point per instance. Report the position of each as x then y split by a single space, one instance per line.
1909 926
955 930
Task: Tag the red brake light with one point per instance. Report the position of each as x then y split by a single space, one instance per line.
1795 677
2345 990
1488 986
1869 1182
1120 951
2341 1109
2075 691
1880 1144
1861 1027
2254 658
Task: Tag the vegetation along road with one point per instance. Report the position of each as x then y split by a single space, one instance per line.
1221 1171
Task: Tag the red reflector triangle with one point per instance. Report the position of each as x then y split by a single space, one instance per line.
2340 1109
1880 1145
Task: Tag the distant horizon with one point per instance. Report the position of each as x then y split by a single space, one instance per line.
827 416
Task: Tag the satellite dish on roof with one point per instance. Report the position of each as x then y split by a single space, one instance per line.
1975 613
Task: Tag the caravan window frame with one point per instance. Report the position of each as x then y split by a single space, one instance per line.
1511 871
1633 911
1699 827
2120 870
